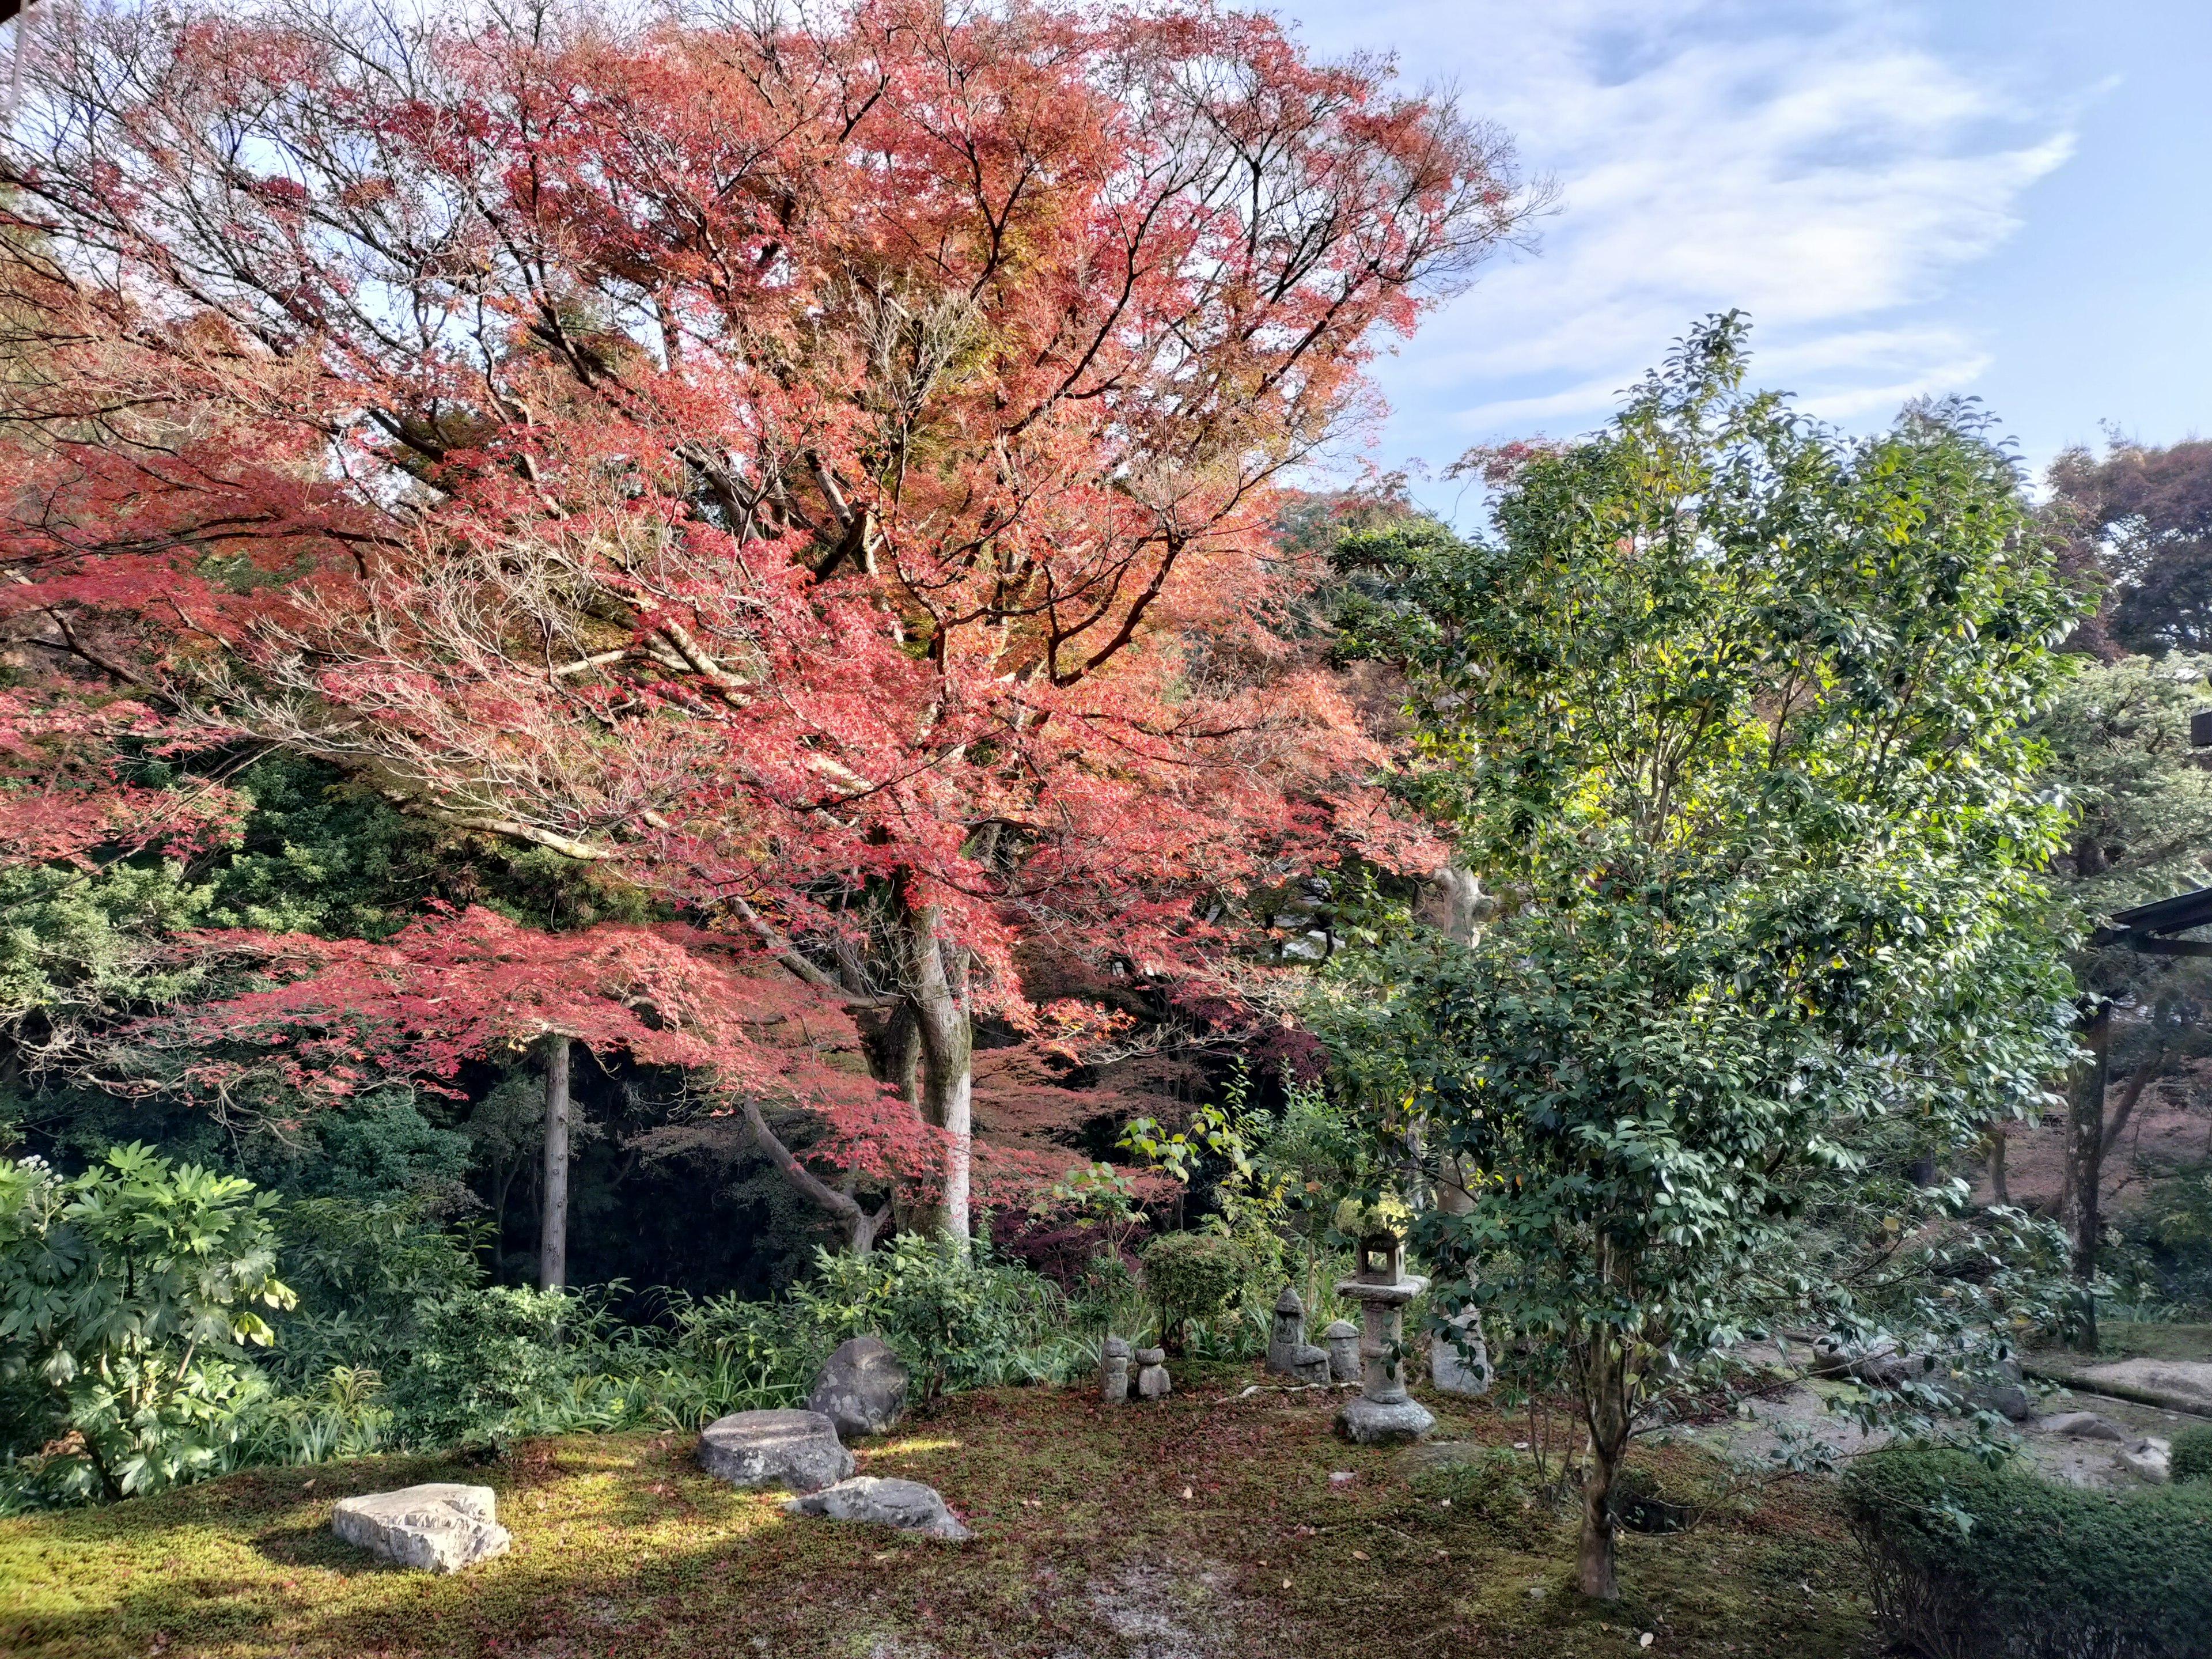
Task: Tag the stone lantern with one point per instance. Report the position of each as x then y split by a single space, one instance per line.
1382 1258
1383 1411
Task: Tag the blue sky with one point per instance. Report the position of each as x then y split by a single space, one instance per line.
2011 198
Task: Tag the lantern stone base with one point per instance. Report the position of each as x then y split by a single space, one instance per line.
1380 1423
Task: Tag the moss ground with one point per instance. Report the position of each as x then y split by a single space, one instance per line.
2127 1339
1185 1531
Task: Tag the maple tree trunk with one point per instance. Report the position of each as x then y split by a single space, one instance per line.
1605 1399
553 1224
936 986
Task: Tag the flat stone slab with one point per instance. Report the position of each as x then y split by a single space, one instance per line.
439 1527
798 1450
907 1504
2149 1459
2183 1383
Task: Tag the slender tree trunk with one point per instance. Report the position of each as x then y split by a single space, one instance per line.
1605 1400
1998 1136
553 1224
2086 1154
936 986
2141 1079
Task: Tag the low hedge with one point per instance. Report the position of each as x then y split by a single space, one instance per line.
2193 1453
1968 1562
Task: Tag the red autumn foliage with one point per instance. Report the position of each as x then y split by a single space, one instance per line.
821 466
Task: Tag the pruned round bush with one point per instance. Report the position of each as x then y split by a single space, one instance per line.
2193 1453
1968 1561
1191 1275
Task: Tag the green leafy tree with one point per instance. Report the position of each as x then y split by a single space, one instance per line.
2141 830
131 1294
1729 710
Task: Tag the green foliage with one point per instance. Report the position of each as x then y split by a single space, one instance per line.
959 1318
362 1272
1193 1275
2118 734
75 948
2191 1453
131 1294
348 1418
2141 519
1731 713
499 1362
376 1148
1969 1560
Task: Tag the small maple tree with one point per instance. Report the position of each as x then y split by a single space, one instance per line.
819 464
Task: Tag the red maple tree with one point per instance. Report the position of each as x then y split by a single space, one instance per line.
820 466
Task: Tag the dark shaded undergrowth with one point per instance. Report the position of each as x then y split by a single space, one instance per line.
1086 1548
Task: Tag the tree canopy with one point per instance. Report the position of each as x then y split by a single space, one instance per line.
816 465
1728 713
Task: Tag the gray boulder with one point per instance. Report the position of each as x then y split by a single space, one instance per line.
862 1390
907 1504
2081 1426
2004 1393
1383 1422
2149 1459
439 1527
798 1450
1880 1363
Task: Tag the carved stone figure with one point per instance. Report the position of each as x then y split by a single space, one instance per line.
1114 1371
1153 1381
1289 1353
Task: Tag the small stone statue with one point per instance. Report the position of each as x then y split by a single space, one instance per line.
1152 1380
1343 1340
1288 1351
1459 1361
1114 1371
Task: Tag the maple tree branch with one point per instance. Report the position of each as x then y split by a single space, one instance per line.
790 955
567 846
843 1206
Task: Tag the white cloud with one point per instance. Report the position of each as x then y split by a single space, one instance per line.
1816 165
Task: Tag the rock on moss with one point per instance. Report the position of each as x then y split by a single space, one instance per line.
441 1527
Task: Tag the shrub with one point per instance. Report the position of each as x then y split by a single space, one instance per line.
1969 1561
1193 1275
128 1299
363 1272
2193 1453
501 1361
960 1319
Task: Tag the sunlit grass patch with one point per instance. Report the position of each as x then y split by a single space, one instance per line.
1085 1546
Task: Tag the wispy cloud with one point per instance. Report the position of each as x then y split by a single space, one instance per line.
1818 165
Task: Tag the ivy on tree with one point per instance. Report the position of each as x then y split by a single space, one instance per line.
1728 712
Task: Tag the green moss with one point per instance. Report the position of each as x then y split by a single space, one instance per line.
1082 1531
